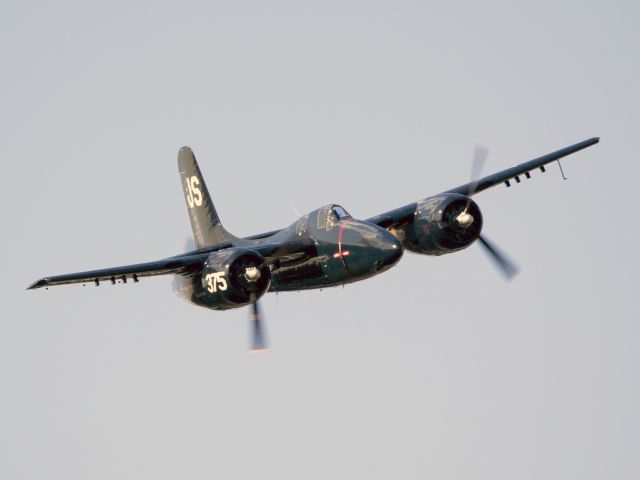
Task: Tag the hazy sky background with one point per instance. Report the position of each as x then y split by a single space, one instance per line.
436 369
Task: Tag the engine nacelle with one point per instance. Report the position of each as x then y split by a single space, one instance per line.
234 277
443 224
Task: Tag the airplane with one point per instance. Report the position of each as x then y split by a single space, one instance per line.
324 248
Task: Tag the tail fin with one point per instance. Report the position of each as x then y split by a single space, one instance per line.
207 229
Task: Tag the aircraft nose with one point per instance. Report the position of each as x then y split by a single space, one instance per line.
391 249
367 248
388 247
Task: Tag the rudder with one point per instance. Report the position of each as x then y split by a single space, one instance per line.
205 223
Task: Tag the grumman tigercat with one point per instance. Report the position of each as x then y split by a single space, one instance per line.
325 248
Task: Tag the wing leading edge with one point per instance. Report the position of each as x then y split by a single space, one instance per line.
192 262
178 265
489 181
402 215
187 264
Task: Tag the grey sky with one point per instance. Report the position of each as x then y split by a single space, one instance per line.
435 369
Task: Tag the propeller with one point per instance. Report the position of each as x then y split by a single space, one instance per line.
258 342
465 219
249 275
506 267
480 154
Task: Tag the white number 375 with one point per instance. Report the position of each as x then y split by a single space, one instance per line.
216 281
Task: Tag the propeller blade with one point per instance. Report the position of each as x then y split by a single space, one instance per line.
258 341
480 155
506 267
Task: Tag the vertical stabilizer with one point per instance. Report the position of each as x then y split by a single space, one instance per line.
207 229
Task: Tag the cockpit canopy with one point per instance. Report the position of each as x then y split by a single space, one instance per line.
324 218
339 212
327 217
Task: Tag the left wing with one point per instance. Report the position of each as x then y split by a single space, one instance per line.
403 215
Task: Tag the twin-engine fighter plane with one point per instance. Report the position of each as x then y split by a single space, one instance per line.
325 248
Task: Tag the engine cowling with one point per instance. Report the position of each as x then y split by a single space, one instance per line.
234 277
443 224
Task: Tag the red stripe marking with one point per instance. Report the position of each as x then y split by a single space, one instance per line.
344 263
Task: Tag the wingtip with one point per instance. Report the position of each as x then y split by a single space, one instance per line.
37 284
587 143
